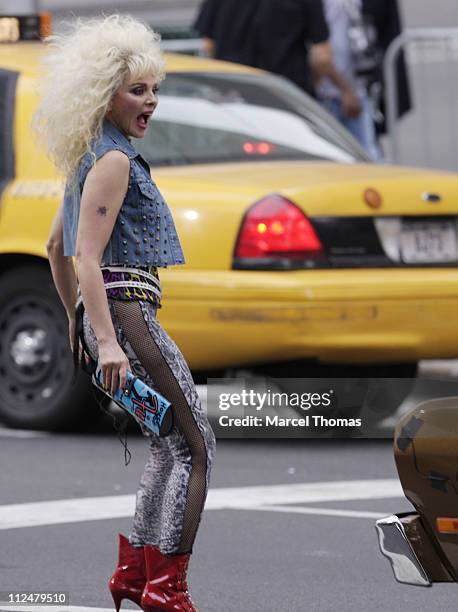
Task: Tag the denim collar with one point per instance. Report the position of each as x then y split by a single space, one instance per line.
118 137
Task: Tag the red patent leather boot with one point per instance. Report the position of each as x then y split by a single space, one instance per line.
128 580
166 586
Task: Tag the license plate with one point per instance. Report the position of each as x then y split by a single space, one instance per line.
428 241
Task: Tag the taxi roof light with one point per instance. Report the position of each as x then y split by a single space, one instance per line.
16 28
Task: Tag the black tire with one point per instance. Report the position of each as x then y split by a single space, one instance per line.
36 367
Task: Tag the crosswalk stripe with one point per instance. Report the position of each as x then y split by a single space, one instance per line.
55 512
305 493
5 432
321 511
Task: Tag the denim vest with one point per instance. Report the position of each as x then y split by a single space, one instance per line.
144 233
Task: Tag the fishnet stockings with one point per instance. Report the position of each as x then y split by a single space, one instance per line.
136 331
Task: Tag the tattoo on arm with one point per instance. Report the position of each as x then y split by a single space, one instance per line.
102 211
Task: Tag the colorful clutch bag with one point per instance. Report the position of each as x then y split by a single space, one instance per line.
148 407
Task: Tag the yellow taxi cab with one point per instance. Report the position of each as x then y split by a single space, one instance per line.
297 247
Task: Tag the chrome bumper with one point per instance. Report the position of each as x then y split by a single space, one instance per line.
395 545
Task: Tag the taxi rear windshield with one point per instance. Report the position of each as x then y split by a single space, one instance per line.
217 118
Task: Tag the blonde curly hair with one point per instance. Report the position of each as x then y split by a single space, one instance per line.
86 65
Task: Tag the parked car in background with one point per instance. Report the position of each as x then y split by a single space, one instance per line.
298 250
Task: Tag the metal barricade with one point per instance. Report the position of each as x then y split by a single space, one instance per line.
428 135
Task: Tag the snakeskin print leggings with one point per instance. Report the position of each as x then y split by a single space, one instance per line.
174 484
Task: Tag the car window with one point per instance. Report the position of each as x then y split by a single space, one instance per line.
235 117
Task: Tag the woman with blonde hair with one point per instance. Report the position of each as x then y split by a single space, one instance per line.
100 91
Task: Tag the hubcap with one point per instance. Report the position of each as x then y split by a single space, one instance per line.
29 348
35 361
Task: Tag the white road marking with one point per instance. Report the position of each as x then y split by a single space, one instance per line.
22 433
61 511
303 493
55 512
320 511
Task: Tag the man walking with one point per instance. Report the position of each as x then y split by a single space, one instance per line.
352 54
289 38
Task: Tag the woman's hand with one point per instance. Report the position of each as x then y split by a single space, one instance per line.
113 363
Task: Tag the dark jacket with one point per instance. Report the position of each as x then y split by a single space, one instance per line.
268 34
228 23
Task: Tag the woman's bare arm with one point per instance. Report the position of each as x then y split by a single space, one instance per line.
62 269
103 194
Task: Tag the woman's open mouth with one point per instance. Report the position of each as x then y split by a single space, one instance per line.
142 120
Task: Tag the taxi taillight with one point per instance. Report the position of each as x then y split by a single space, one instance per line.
276 228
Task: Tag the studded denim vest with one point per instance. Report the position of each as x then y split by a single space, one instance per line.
144 232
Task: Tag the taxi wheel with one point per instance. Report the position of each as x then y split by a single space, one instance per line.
36 366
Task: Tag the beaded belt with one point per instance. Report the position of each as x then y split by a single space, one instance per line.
130 284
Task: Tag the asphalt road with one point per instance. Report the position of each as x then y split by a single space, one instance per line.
306 545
